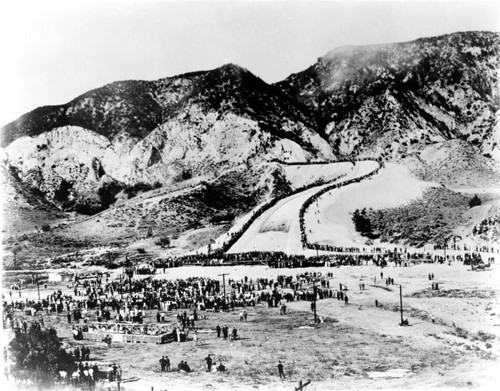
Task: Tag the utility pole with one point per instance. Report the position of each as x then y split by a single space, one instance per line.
35 279
130 272
314 301
401 302
224 281
121 286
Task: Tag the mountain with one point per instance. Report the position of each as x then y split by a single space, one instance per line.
164 131
169 155
136 108
394 99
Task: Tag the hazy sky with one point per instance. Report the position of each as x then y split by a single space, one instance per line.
54 51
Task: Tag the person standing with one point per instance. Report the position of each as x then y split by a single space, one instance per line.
218 329
167 364
162 363
119 373
96 372
115 371
209 361
195 337
280 370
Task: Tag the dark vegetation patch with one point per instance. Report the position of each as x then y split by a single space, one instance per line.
454 293
430 219
106 196
141 187
31 250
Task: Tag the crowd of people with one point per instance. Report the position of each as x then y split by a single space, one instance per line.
103 308
486 224
305 206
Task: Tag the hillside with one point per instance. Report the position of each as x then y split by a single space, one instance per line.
394 99
165 131
456 164
167 156
135 108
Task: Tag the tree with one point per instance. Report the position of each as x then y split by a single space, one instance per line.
107 193
62 193
38 354
475 201
163 242
362 222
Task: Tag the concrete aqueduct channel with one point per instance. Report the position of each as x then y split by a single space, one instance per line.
281 227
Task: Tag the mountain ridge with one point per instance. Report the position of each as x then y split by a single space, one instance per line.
454 76
394 101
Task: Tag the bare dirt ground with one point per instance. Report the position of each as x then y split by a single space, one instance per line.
358 346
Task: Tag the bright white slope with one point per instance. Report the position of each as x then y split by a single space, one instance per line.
278 228
329 221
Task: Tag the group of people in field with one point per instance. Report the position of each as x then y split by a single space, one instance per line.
125 304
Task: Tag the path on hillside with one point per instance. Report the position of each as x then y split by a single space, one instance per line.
278 228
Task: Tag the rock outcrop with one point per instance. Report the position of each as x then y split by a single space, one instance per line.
395 99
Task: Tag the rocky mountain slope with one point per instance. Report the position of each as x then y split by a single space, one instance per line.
164 131
431 104
394 99
24 208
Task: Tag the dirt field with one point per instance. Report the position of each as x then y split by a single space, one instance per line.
359 346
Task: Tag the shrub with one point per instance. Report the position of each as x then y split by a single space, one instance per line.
62 193
222 218
86 208
46 228
141 187
186 174
163 242
107 193
361 221
475 201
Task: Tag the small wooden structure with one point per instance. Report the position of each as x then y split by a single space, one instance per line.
157 333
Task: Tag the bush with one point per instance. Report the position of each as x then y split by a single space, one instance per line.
186 174
46 228
141 187
107 193
475 201
362 222
222 218
163 242
86 208
62 193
